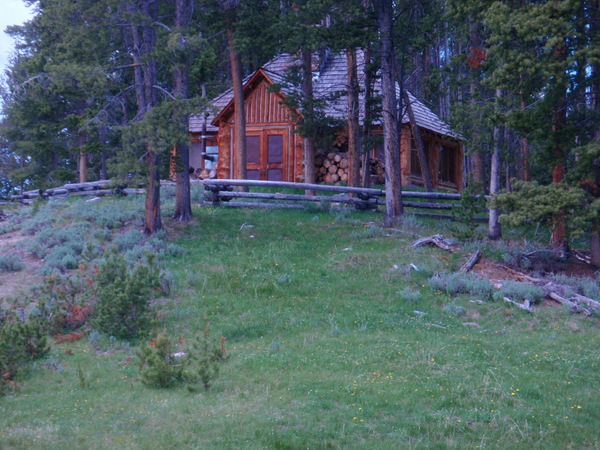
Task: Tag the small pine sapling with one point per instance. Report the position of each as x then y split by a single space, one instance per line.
159 366
464 214
123 297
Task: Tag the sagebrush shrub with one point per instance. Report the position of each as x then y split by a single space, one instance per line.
458 283
409 295
60 258
455 310
521 291
583 286
11 263
372 231
114 218
412 223
128 240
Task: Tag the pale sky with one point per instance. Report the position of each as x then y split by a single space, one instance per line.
12 12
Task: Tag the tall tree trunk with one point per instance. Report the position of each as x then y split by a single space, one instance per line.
82 166
153 221
494 229
367 126
183 207
524 156
102 137
353 123
393 181
239 137
445 97
476 150
309 143
595 89
559 120
524 146
559 229
81 141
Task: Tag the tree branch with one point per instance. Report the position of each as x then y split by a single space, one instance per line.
164 91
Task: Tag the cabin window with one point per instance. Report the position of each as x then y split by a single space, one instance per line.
448 164
253 150
275 149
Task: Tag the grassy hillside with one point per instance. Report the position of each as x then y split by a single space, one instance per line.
332 339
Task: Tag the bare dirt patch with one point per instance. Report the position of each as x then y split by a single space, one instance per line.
16 284
496 271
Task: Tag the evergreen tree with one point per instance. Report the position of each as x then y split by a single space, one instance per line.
393 181
56 83
183 16
539 50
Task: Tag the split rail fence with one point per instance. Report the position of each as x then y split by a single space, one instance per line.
222 192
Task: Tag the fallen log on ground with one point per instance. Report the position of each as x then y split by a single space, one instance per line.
588 301
437 240
573 307
525 306
470 262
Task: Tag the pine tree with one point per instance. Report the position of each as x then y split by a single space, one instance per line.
393 181
183 15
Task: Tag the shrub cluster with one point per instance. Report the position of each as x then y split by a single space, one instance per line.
458 283
21 341
164 364
582 286
122 297
520 291
87 286
11 263
409 295
65 302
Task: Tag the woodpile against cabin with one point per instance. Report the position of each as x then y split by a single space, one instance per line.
203 174
332 168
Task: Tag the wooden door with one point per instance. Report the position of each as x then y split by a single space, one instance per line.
253 157
265 155
274 157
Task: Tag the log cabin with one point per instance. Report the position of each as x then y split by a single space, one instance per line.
275 149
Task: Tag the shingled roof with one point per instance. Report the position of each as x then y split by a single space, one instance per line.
329 80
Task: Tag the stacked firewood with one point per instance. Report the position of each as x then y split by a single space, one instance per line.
203 174
332 168
377 171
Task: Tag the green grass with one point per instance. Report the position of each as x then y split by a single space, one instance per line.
324 352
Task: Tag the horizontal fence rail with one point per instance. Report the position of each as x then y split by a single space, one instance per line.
221 192
361 198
